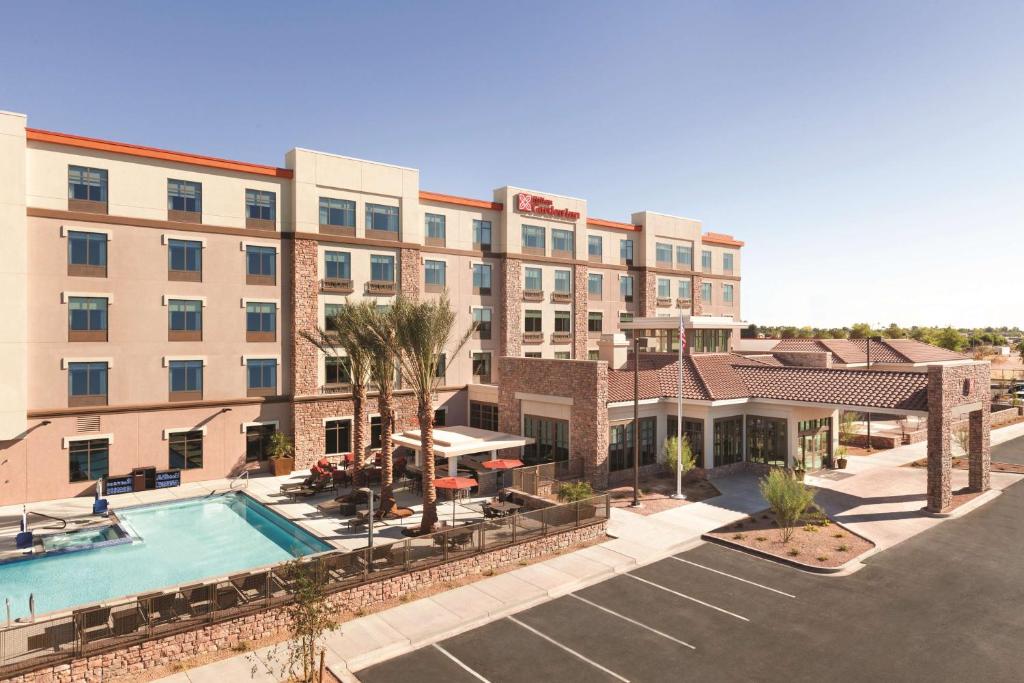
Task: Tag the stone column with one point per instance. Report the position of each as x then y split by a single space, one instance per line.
646 282
940 461
580 312
411 272
511 306
305 300
695 292
980 455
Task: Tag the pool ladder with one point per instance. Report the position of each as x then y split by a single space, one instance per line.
243 475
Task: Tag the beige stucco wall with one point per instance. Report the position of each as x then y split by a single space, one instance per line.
13 276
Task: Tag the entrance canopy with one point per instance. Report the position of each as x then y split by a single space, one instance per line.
451 442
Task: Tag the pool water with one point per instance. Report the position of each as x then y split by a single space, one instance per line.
83 538
174 543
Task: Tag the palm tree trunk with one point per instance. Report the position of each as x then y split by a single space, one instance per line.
426 420
387 425
359 428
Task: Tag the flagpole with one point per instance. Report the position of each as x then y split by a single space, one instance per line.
679 414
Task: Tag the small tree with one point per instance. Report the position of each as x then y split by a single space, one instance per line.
962 438
787 497
281 446
671 451
847 420
572 491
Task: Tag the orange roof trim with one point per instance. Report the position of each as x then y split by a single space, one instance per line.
154 153
602 223
720 238
461 201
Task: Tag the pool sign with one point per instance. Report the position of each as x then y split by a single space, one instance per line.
168 479
115 485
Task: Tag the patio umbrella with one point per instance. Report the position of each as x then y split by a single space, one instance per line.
454 484
502 464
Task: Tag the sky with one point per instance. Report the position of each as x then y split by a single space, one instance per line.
870 154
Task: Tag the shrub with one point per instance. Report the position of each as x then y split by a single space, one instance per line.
843 548
822 558
762 538
787 497
671 451
793 552
572 491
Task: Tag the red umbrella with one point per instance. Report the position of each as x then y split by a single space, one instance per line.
502 464
454 483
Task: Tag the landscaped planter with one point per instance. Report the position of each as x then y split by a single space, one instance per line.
282 466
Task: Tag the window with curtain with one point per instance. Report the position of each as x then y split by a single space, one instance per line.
481 278
533 237
561 240
563 281
183 195
261 205
337 265
481 234
532 279
382 268
380 217
340 213
89 184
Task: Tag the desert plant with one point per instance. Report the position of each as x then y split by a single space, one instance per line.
787 497
843 548
378 334
847 426
962 438
671 449
572 491
281 446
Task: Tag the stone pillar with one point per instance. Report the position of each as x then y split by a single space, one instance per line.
980 454
511 307
646 283
940 462
411 273
709 441
305 300
579 312
695 292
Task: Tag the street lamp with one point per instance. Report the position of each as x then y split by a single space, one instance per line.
636 419
679 495
369 495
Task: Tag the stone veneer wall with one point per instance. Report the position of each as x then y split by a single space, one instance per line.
585 382
646 286
511 305
695 292
579 311
305 299
131 662
411 272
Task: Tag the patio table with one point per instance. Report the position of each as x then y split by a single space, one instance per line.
504 508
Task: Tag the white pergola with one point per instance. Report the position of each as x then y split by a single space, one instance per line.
452 442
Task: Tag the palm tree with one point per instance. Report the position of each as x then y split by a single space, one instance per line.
340 339
424 329
378 337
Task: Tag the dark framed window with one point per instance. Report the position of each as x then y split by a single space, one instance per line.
261 205
626 288
684 256
708 341
87 189
532 321
337 370
382 268
87 253
87 318
551 440
533 279
261 376
593 354
595 322
260 265
337 437
482 366
434 275
533 238
563 282
664 288
595 285
442 365
563 321
620 444
481 278
435 228
626 318
258 441
562 241
693 431
626 251
185 450
383 218
87 384
339 213
184 200
705 261
532 354
481 234
260 321
728 440
727 262
562 355
663 254
440 417
88 460
184 320
375 431
184 260
185 378
483 415
482 318
595 247
337 265
766 440
331 313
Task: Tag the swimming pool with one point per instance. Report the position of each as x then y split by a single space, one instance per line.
172 544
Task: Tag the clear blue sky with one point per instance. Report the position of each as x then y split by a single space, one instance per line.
871 154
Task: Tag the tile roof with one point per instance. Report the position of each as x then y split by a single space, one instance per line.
852 351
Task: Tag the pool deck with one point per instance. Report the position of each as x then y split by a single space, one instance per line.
332 529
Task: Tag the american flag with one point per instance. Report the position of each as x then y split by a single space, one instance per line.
682 335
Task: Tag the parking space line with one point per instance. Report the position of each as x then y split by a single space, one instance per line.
633 621
752 583
569 650
452 657
688 597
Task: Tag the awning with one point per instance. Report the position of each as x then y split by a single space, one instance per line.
451 442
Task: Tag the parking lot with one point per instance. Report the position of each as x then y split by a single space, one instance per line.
944 605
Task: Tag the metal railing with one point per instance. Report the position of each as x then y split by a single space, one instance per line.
244 475
119 623
531 479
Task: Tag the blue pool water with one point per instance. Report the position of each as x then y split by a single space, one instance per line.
181 542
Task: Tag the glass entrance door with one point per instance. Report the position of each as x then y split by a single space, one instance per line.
815 443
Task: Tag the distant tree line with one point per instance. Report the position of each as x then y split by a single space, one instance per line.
947 337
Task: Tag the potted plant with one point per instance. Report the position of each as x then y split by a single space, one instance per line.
841 458
282 454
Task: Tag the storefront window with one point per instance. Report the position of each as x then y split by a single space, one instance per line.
551 440
620 444
766 440
693 432
728 440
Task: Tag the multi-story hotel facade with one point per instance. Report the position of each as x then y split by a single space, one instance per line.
155 299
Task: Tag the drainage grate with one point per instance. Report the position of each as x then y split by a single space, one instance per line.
87 423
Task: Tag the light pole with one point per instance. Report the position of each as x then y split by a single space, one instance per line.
369 495
636 419
678 495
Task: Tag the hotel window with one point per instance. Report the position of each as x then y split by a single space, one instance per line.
87 253
260 265
184 260
88 460
331 313
87 189
337 437
685 291
727 262
382 218
626 252
532 321
337 213
533 239
705 292
87 384
440 417
563 282
260 321
337 371
482 318
337 265
593 354
482 367
184 201
595 286
375 431
442 365
626 288
483 415
727 294
563 322
261 376
728 446
708 341
481 278
184 320
562 355
693 432
382 268
626 318
664 288
481 235
684 256
705 261
260 209
87 319
562 241
595 247
186 380
551 440
663 254
620 444
766 440
434 276
185 450
533 280
595 322
435 226
258 441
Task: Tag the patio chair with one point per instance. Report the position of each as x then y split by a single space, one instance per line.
227 596
250 586
313 489
198 599
96 623
158 607
290 486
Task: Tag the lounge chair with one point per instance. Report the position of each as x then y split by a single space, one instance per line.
290 486
313 489
158 607
96 623
198 598
250 586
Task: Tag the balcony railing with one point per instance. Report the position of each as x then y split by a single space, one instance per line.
533 295
561 297
336 389
381 287
336 285
533 337
561 337
664 301
684 303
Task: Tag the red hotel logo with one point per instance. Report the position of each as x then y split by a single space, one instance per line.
531 203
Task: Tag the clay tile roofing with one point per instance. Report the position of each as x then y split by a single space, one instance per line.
854 351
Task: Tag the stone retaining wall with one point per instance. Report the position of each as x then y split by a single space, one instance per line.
131 662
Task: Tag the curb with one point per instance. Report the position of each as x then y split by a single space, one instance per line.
969 506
